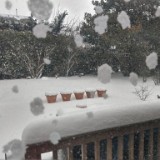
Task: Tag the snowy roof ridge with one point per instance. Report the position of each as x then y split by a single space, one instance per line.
40 130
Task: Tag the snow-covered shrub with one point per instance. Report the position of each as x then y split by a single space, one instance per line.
15 89
101 24
40 30
55 137
36 106
143 92
133 77
104 73
156 77
152 60
78 40
8 4
41 9
124 20
15 150
98 9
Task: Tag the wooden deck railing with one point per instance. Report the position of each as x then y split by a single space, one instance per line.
134 142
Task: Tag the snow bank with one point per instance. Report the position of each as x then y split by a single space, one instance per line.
79 123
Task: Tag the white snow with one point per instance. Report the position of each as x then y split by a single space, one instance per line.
152 60
133 77
78 40
104 73
98 9
127 0
90 90
90 114
116 109
15 149
55 137
51 93
41 9
79 91
157 14
124 20
101 24
59 112
15 89
8 4
36 106
47 61
40 31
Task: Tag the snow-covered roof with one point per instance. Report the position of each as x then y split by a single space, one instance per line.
104 118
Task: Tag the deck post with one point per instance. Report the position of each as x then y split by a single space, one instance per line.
151 145
158 143
109 148
70 153
84 151
131 146
141 146
55 155
97 150
120 148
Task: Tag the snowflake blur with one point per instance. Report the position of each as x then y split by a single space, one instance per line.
37 107
41 9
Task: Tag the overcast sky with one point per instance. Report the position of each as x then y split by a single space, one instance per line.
75 8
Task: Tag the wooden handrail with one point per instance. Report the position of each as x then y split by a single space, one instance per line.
34 151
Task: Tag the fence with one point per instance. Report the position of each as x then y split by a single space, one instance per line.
134 142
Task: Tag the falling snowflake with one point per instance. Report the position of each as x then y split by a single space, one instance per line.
47 61
124 20
78 40
55 137
41 9
104 73
55 122
59 112
8 4
40 30
15 89
37 107
152 60
90 114
16 149
133 77
101 24
157 14
98 9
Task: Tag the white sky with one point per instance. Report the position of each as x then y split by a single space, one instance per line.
75 8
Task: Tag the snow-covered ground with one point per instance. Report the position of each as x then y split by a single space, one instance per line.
15 112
